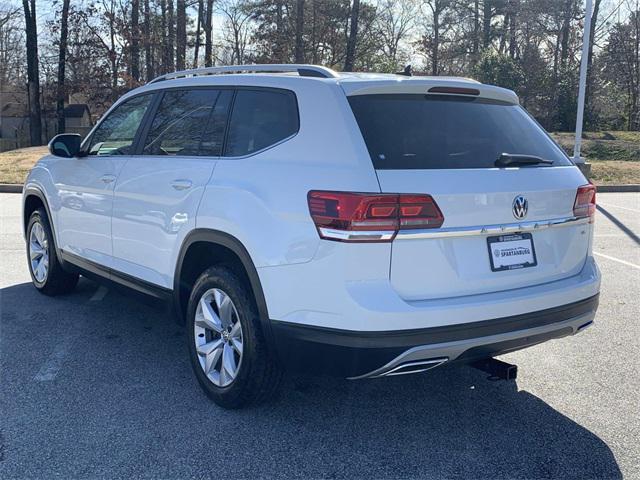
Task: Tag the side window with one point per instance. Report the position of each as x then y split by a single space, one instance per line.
260 118
115 134
182 118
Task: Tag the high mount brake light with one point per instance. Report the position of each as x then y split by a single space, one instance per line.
371 217
455 90
585 203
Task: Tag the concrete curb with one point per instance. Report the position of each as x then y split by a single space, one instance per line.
11 188
618 188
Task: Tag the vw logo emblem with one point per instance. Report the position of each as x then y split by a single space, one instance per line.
520 207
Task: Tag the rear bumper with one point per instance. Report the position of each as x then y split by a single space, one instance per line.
360 354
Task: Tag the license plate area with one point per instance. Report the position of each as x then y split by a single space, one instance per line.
511 252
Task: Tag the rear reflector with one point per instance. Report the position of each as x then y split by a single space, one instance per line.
370 217
585 204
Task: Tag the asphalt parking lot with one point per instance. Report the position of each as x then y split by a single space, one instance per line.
98 385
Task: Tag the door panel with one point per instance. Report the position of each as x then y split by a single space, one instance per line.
151 216
157 194
85 185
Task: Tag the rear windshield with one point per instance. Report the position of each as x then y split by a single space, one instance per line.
432 131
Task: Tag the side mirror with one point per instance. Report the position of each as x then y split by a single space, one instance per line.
65 145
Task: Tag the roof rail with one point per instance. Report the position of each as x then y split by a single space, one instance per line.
303 71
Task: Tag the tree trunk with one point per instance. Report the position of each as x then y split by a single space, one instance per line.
436 39
299 31
589 114
565 32
164 39
196 48
476 30
208 45
513 44
113 59
148 56
62 60
487 15
314 30
278 51
353 37
181 35
33 80
135 40
171 36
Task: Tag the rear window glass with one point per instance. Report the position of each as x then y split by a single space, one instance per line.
260 119
437 131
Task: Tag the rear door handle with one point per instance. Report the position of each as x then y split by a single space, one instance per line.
107 179
181 184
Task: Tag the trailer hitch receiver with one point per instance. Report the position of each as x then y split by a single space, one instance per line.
497 369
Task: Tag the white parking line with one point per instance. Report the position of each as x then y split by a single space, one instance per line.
624 262
618 206
54 363
100 294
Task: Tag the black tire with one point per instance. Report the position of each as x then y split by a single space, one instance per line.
57 281
259 375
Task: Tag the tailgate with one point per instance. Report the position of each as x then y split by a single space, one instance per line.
506 225
455 260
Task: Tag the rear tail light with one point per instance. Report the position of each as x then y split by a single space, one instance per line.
370 217
585 204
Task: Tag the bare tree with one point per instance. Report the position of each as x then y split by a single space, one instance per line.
171 36
11 45
62 61
432 41
196 47
590 75
299 31
236 29
208 27
148 50
33 74
181 34
353 37
135 40
395 25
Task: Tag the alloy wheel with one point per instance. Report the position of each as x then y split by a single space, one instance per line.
39 252
218 337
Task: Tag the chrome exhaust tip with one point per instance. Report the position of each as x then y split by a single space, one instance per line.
414 367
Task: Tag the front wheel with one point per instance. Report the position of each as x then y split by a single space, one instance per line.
228 352
47 274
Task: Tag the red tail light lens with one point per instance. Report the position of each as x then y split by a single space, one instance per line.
364 217
585 204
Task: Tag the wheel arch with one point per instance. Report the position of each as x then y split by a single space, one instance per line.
222 248
32 199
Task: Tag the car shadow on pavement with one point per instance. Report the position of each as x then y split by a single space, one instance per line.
618 223
123 402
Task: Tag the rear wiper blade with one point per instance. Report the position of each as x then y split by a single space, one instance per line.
508 159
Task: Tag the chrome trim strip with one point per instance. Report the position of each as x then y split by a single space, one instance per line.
356 236
491 229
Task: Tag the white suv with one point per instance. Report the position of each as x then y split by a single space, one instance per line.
360 225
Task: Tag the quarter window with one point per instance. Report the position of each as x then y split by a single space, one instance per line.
115 134
260 119
188 122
